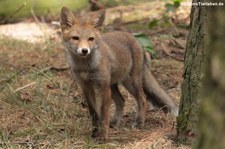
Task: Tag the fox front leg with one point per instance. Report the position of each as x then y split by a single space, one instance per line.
89 94
105 94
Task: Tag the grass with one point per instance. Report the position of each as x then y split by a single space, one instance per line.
51 112
49 115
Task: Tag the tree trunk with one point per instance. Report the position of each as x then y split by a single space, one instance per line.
212 112
193 72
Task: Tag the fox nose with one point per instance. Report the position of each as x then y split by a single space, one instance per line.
84 50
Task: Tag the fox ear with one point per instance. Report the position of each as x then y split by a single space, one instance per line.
98 18
67 19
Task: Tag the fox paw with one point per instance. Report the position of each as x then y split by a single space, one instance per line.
138 125
114 124
99 138
95 133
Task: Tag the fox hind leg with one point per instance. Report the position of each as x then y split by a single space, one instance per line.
135 89
119 103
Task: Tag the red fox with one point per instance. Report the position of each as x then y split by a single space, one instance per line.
100 62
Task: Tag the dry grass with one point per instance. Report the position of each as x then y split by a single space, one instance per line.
51 113
47 113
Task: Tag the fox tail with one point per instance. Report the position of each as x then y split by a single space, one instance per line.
155 95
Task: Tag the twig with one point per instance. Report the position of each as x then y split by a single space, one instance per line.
17 142
14 12
23 87
52 68
12 77
174 27
34 16
178 43
154 145
165 49
150 33
41 120
96 5
33 13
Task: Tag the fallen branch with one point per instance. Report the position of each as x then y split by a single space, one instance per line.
179 43
23 87
167 51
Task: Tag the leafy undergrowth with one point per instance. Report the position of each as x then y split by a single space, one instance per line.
42 107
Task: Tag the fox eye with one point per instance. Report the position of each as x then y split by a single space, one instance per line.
75 38
91 38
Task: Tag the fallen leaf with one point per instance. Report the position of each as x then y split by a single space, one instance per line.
24 96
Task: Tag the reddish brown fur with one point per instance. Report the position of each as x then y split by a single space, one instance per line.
114 58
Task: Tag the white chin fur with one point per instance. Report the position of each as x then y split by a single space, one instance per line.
79 51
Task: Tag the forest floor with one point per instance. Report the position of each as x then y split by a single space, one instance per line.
42 107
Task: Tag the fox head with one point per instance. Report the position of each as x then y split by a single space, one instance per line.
81 35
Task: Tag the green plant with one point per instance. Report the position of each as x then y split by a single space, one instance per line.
173 6
145 43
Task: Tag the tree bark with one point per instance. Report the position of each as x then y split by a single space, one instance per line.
193 73
212 112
